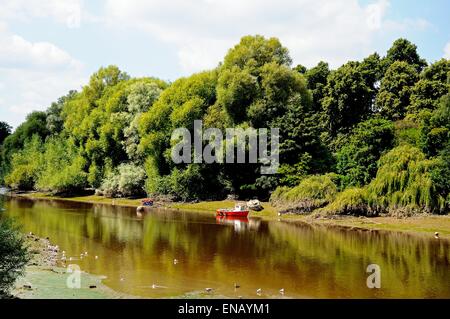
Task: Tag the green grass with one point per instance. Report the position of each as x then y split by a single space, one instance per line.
211 206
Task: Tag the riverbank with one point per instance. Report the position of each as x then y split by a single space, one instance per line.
46 276
426 225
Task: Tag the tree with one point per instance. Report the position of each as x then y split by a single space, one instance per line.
5 131
55 121
433 84
255 80
25 165
35 124
316 78
395 92
347 99
62 168
391 190
141 97
357 159
404 51
435 128
13 256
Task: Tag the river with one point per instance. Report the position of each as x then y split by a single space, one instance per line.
183 253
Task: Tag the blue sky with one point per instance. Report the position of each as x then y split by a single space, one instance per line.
48 47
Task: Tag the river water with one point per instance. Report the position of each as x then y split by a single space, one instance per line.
137 251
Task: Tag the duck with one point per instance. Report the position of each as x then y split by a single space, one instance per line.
236 285
209 289
436 235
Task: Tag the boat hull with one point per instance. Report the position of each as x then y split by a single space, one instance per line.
232 213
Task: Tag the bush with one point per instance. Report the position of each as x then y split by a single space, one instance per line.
13 256
25 165
357 159
126 181
312 192
404 180
352 201
62 168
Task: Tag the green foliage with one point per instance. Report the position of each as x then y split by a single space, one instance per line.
352 201
317 80
62 168
347 100
408 132
35 124
404 180
5 131
435 128
26 164
13 256
55 121
357 158
312 192
330 121
404 51
395 92
126 181
432 86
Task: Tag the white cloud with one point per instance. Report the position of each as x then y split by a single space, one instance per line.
68 12
202 31
447 51
35 89
15 51
32 75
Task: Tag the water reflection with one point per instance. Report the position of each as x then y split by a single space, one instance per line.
137 253
239 224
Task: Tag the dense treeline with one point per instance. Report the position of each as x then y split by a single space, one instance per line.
370 137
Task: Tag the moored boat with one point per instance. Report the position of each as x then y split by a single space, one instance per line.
237 211
147 202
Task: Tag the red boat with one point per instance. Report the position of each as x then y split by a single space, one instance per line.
237 211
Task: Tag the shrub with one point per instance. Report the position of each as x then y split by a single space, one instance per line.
62 168
13 256
357 159
312 192
126 181
352 201
404 180
25 165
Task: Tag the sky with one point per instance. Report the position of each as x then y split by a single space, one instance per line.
48 47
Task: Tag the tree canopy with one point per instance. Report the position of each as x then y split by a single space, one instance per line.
346 134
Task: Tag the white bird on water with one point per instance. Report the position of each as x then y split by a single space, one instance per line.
258 291
282 291
175 261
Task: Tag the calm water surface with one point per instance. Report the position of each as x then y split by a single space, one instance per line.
307 261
